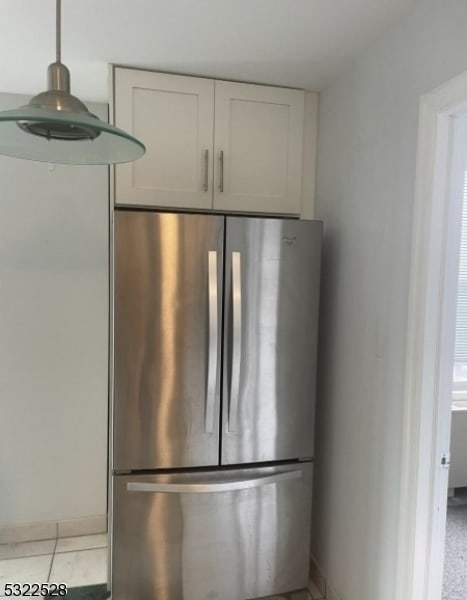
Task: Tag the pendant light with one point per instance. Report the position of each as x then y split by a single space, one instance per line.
57 127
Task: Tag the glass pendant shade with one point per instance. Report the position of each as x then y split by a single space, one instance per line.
57 127
27 133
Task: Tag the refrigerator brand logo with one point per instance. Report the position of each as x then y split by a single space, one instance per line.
290 241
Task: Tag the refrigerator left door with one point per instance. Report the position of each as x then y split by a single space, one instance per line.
167 327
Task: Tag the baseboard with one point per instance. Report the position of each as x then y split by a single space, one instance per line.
322 584
83 526
331 593
314 592
317 576
47 530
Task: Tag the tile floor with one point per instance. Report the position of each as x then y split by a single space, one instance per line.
75 561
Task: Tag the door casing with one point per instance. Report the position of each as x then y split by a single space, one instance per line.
429 350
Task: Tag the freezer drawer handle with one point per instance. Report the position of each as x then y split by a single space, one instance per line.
237 340
205 488
213 342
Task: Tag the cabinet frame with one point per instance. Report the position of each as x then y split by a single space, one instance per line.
302 183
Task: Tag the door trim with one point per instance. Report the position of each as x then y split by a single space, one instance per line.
425 424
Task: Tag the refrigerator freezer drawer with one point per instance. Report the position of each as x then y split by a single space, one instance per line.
212 535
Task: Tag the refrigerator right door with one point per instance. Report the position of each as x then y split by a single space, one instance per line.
272 274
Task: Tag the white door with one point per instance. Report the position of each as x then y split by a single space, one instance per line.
173 117
258 148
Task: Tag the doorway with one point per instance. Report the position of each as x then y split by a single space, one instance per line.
430 342
454 584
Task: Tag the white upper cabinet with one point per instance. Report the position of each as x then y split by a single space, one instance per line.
258 146
210 144
172 116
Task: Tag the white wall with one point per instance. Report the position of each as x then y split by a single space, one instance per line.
365 190
53 338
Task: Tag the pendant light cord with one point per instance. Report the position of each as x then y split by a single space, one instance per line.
58 30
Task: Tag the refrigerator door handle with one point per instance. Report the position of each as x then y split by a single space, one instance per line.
213 342
205 488
237 340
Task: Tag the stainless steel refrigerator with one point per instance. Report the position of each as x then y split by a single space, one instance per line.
215 335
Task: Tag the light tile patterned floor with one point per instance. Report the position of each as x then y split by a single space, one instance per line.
74 561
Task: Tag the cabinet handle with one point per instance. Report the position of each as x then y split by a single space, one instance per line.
206 171
221 175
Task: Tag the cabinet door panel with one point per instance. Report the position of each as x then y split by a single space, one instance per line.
259 130
173 117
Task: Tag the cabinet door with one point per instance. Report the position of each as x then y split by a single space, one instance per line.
258 148
173 117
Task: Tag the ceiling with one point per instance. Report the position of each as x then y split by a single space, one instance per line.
297 43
